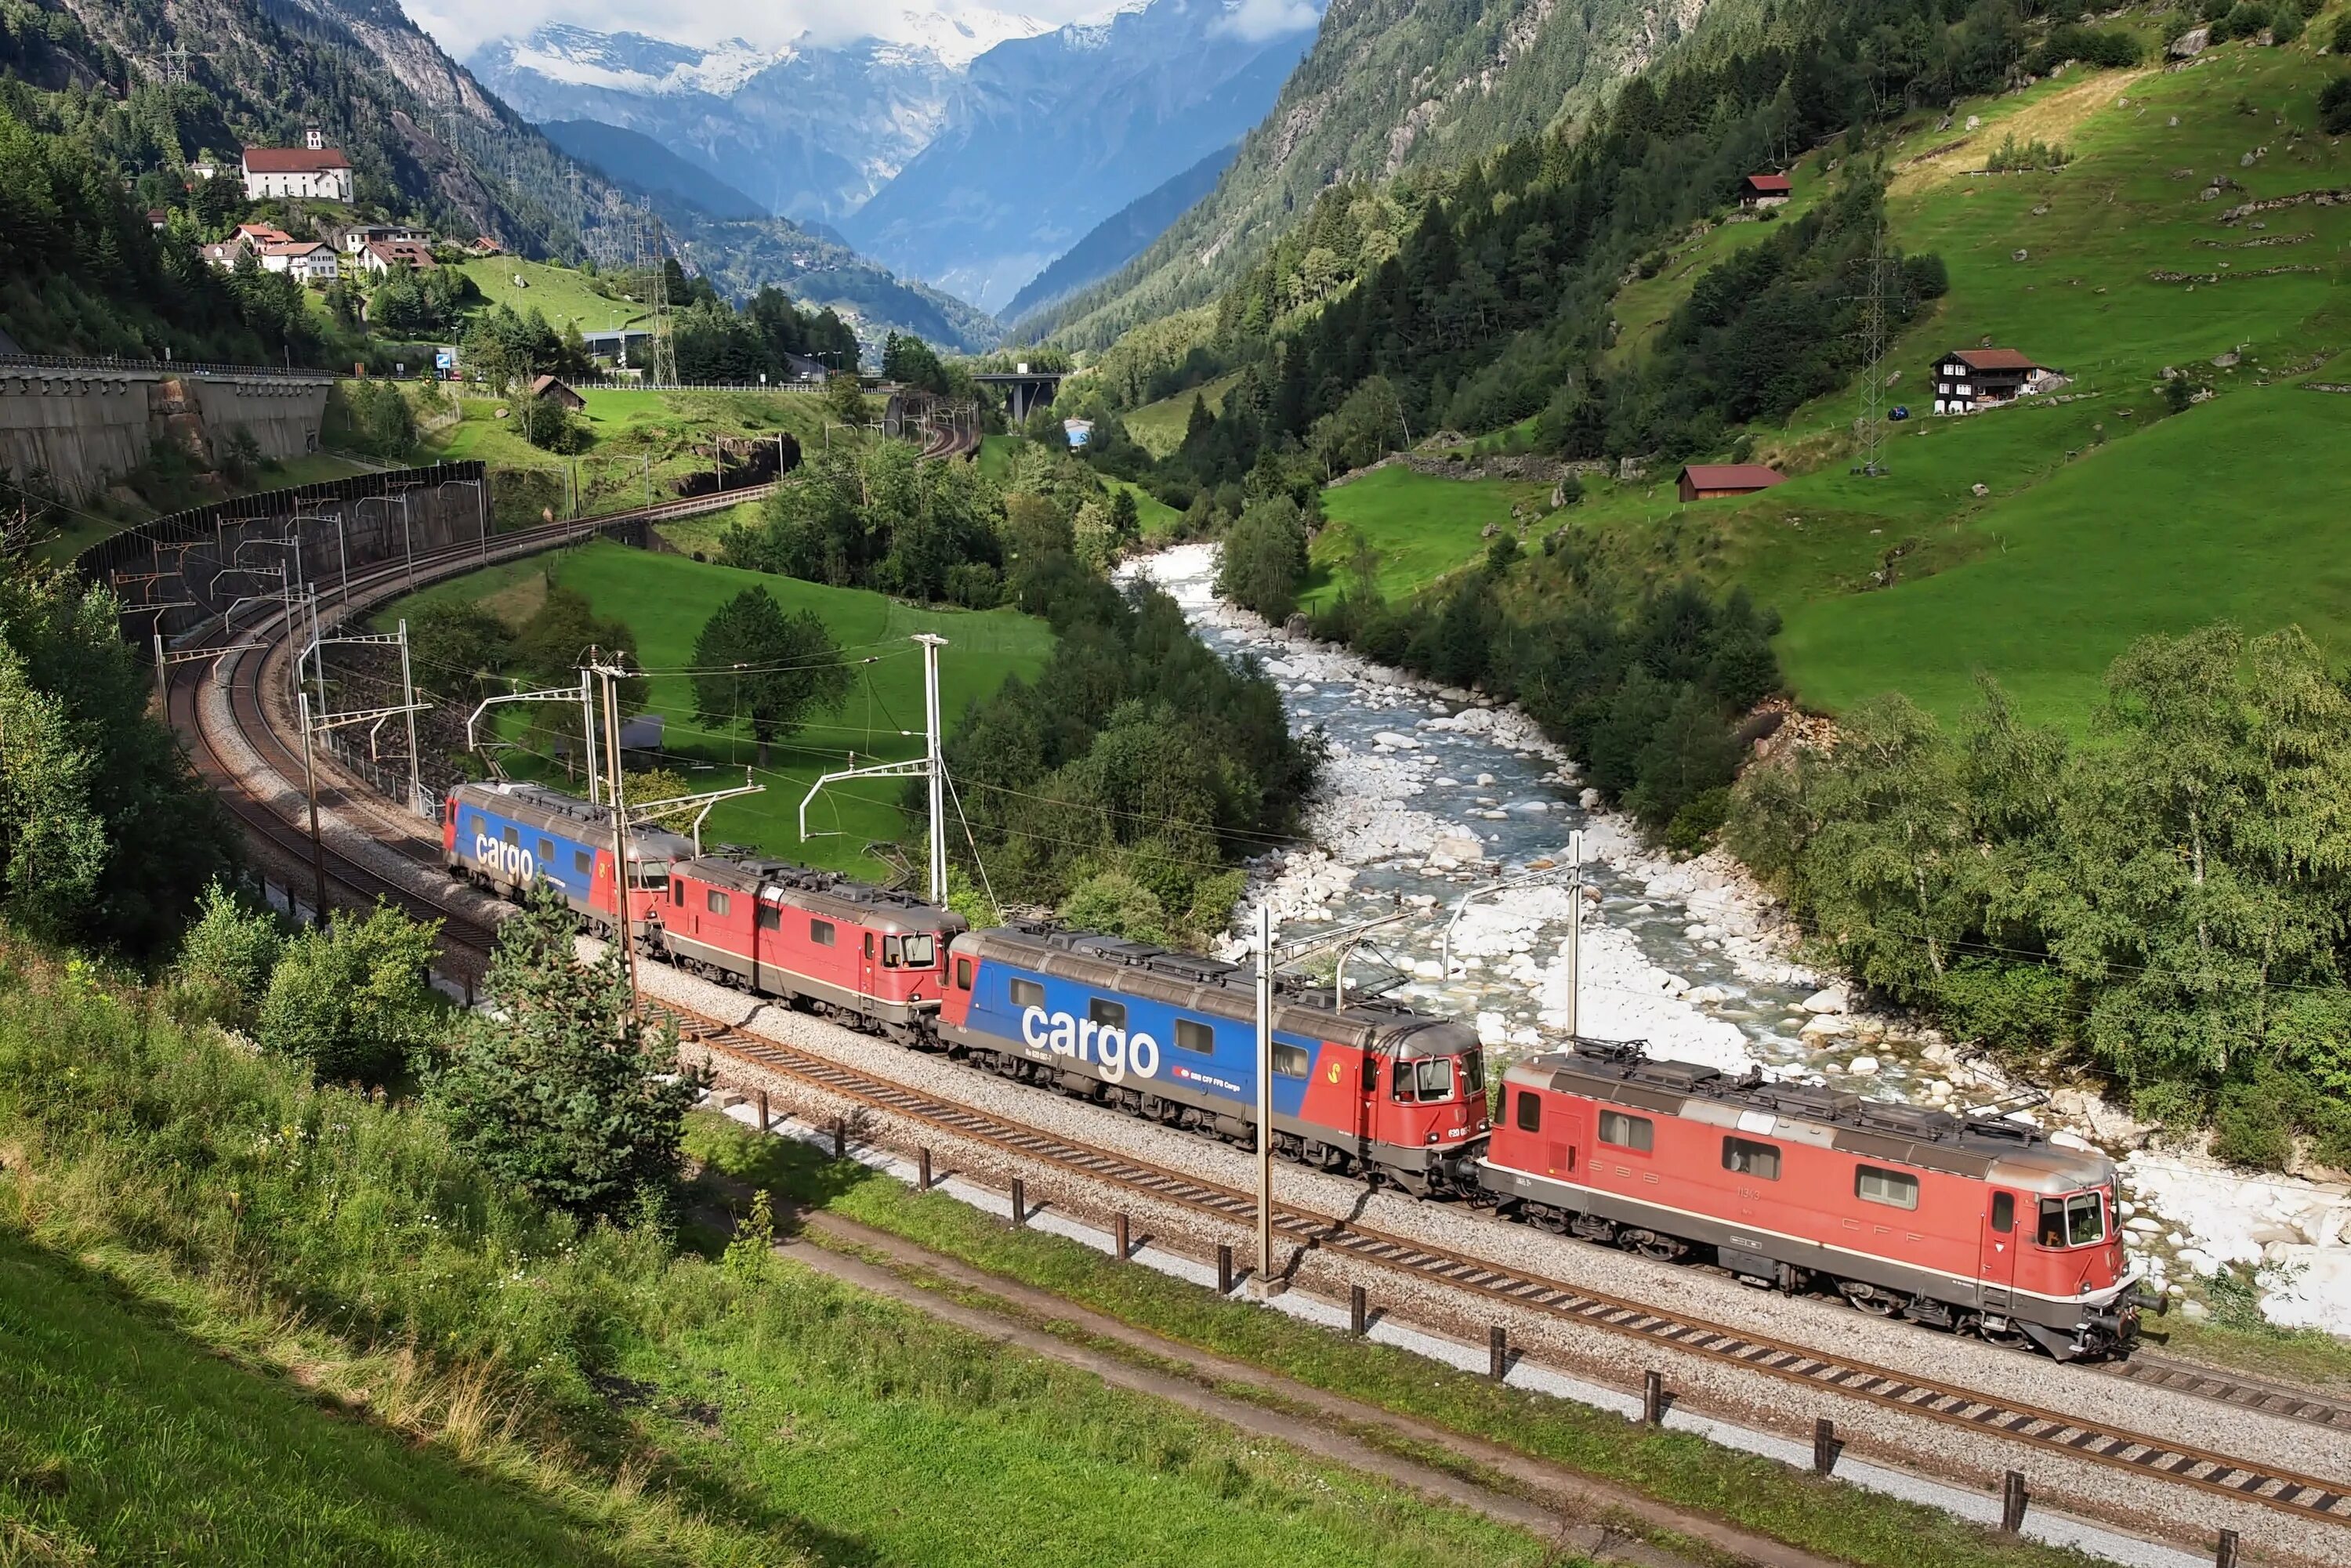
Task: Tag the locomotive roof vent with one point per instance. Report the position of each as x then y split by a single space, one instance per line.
1686 1076
1801 1099
1189 967
2014 1131
1618 1050
1909 1121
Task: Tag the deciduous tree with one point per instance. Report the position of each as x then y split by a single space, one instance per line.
756 664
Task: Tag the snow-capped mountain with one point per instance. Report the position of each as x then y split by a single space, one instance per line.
967 147
811 131
1047 136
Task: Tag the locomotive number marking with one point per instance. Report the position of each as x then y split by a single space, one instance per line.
1116 1051
512 859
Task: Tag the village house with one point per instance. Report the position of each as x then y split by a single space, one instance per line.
313 172
382 256
358 237
554 388
222 254
253 236
484 245
306 260
1761 191
1970 378
1710 481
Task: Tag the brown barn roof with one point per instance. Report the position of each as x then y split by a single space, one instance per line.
1996 360
1732 477
293 159
1769 184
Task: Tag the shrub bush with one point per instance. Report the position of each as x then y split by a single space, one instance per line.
2334 98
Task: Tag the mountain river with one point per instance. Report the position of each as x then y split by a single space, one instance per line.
1431 794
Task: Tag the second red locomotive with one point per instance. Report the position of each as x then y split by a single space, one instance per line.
1982 1227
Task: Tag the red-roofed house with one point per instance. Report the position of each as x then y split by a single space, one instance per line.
1707 481
1970 378
315 170
1765 190
383 254
259 235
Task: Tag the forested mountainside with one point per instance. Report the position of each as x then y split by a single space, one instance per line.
1390 86
427 143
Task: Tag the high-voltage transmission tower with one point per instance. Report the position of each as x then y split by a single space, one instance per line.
1869 429
661 370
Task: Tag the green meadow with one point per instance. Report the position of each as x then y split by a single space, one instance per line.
665 599
2102 518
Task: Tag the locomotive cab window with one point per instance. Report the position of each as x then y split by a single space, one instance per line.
652 876
1290 1061
2075 1221
1194 1036
1896 1189
2003 1212
820 932
716 901
1473 1072
677 895
1635 1132
1746 1159
1028 994
894 952
963 973
1428 1080
1530 1111
920 949
1108 1015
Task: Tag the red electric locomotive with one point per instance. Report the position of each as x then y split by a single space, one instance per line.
1982 1227
777 929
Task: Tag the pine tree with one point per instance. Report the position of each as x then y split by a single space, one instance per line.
560 1089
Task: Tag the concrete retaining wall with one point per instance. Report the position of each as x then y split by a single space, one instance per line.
85 429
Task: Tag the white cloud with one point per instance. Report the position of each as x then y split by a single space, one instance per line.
461 27
1259 19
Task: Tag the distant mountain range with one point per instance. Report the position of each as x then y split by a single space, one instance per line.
969 150
1118 238
810 133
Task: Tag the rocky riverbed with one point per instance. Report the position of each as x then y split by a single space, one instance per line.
1432 794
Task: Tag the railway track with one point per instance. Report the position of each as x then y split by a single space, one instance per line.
2304 1497
243 669
2202 1382
2308 1498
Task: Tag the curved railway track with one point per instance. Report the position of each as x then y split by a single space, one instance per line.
2304 1497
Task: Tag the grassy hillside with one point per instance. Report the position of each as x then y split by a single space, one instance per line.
1420 527
2103 517
127 1439
1158 427
665 599
560 293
